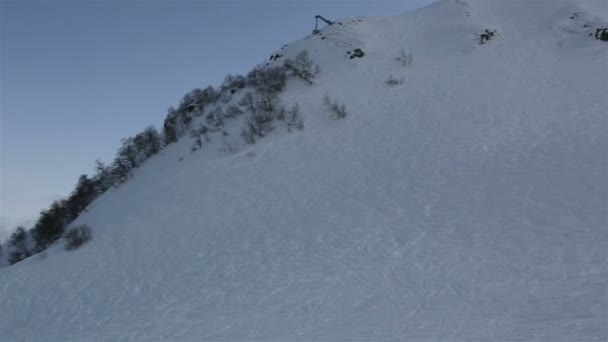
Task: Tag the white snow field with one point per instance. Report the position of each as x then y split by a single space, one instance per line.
469 203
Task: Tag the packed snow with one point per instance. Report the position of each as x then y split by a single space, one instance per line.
468 202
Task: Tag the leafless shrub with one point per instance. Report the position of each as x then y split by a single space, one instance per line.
406 59
198 134
292 118
232 111
338 111
230 147
77 236
392 81
302 66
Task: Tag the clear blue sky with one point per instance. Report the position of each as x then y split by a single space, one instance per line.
77 76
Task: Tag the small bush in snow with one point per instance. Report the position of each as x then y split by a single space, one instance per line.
230 148
77 236
248 135
302 66
196 134
406 59
233 111
393 81
292 118
338 111
215 119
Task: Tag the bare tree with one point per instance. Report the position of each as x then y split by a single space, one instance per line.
77 236
293 119
338 111
19 245
197 133
270 80
302 66
406 59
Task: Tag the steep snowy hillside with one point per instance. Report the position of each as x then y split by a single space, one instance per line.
467 201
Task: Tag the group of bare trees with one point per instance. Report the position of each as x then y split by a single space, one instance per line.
260 103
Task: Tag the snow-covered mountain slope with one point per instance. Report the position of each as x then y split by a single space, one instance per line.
468 203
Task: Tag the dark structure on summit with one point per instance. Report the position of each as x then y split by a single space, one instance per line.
317 17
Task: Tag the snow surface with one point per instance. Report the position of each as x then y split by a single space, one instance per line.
467 204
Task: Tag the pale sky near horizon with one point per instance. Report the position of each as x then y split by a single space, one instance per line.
77 76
